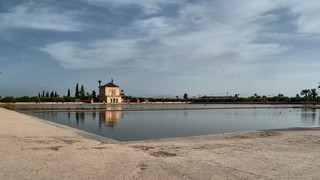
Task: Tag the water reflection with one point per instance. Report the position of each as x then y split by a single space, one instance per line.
50 115
308 116
114 123
185 114
80 116
110 117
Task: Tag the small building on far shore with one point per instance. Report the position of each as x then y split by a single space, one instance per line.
109 93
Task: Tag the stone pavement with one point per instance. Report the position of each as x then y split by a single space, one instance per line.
32 148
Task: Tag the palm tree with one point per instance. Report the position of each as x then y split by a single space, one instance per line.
305 93
99 83
313 94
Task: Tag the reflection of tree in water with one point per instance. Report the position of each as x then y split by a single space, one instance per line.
69 116
308 116
185 114
110 118
53 115
49 115
80 116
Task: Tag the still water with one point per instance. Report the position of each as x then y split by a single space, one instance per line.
140 122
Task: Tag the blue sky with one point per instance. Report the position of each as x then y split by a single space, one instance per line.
160 47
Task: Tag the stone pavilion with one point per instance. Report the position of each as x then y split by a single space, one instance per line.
109 93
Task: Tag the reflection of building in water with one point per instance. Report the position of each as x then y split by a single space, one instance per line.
109 93
111 116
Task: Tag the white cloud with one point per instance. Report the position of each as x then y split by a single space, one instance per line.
212 33
149 6
96 54
35 17
308 15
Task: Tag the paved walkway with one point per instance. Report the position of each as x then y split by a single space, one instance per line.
32 148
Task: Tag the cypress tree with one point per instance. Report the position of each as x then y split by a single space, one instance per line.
82 92
52 94
77 91
68 95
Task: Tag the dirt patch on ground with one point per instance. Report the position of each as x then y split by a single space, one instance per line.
143 148
248 135
54 148
67 140
157 151
162 154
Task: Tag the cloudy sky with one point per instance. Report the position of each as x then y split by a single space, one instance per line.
160 47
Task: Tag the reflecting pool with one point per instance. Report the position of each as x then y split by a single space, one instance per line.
133 122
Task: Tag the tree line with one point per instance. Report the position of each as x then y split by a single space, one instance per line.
305 96
53 96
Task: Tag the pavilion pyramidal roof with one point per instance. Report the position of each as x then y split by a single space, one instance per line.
110 84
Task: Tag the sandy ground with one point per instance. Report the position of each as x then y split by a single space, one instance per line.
32 148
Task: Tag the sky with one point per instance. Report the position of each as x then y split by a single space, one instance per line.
156 48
